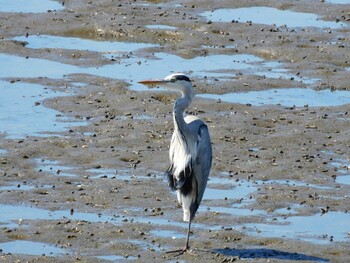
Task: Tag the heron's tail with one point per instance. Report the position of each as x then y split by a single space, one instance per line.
189 206
187 215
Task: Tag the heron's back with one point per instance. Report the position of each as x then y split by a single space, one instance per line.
201 165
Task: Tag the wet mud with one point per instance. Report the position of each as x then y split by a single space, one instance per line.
83 147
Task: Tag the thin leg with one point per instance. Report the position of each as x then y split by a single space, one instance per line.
188 236
186 248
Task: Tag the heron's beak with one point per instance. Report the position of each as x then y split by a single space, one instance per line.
152 83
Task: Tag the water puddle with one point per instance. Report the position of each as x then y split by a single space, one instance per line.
316 229
29 6
287 97
340 2
31 248
133 68
290 210
294 183
22 112
224 188
343 179
20 67
58 42
269 16
167 234
11 214
156 3
282 222
162 27
341 167
233 190
145 245
105 173
116 258
17 216
235 211
130 69
54 168
214 66
17 186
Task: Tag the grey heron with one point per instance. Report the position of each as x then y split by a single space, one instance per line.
190 150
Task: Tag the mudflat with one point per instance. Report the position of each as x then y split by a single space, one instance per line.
90 186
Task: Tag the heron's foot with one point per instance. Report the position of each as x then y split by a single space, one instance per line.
180 252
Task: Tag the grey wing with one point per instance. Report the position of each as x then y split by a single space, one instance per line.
201 166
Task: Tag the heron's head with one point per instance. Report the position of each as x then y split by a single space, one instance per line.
178 82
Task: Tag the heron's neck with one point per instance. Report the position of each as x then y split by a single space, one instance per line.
180 106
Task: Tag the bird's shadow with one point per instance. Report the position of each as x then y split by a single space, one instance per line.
255 253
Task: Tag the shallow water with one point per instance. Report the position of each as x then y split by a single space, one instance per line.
290 210
234 190
17 186
235 211
315 229
115 258
298 97
20 67
21 115
54 168
168 233
31 248
131 68
29 6
17 121
103 173
165 27
58 42
341 165
293 183
343 179
341 2
270 16
11 214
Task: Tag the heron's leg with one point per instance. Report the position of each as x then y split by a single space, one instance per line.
188 236
186 248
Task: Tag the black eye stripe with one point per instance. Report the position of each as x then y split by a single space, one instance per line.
182 77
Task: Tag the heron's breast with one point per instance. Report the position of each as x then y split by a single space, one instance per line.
181 153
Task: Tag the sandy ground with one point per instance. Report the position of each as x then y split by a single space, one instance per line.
250 144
